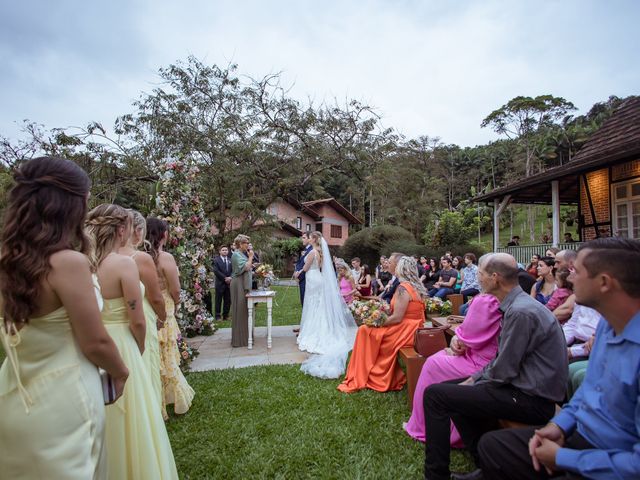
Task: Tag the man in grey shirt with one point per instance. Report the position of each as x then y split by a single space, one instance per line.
523 383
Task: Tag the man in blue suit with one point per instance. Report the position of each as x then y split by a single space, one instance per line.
299 273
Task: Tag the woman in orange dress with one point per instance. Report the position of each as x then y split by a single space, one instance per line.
373 361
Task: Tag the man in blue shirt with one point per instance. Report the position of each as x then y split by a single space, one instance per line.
597 434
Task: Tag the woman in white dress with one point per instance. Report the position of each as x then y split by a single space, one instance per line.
327 328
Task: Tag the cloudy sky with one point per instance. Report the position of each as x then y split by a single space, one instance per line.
429 67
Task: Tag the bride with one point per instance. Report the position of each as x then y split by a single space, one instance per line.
327 328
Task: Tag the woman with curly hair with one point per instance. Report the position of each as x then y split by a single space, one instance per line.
373 361
137 441
53 415
152 300
175 388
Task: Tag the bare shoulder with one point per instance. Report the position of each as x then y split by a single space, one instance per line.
68 260
143 259
118 261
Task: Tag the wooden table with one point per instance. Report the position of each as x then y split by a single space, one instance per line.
441 321
254 297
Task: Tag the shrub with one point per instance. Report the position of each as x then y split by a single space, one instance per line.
369 243
409 248
280 253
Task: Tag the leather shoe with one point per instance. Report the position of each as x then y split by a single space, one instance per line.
475 475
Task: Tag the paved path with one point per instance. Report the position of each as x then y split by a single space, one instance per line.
216 352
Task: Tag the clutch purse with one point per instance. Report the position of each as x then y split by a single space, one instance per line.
108 387
427 341
455 318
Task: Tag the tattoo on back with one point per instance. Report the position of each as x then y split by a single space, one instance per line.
132 304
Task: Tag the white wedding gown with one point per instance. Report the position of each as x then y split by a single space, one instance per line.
327 328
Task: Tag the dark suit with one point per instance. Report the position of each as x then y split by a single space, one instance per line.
299 267
223 290
388 295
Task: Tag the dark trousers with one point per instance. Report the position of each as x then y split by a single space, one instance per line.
469 292
302 284
223 293
504 454
475 410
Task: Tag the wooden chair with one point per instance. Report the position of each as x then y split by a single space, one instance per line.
413 364
456 302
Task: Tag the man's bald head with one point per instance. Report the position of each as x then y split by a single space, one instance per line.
566 259
501 263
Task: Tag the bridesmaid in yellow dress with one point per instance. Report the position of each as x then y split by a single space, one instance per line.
51 405
152 300
176 389
137 443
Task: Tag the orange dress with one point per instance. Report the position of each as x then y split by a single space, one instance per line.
373 361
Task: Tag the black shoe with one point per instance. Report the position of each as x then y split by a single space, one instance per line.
475 475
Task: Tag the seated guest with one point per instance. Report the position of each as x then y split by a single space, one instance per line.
447 281
346 284
473 346
364 283
373 361
544 288
578 369
458 264
390 289
383 276
579 329
432 275
563 289
596 435
522 383
469 286
532 268
565 259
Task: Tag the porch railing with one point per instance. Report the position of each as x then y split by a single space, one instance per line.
524 253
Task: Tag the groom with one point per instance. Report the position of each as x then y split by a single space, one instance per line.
299 273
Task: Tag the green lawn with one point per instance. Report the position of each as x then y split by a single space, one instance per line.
276 422
286 309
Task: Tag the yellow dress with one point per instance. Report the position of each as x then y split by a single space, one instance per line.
151 355
176 389
51 407
137 442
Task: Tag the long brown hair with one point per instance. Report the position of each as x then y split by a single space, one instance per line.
156 229
102 226
44 215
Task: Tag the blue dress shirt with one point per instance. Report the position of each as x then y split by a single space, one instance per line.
606 408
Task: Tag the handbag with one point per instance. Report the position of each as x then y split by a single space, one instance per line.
108 387
427 341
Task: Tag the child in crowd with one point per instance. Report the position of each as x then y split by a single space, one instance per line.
563 291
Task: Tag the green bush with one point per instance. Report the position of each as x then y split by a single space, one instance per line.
409 248
280 253
368 243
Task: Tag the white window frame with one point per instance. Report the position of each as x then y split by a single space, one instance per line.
629 201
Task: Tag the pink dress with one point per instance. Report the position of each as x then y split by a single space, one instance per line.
346 287
479 333
558 297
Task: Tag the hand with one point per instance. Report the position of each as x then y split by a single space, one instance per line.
569 354
546 455
118 385
227 279
457 346
159 324
449 352
296 274
589 344
549 433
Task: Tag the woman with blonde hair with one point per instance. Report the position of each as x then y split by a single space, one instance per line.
176 390
373 361
346 284
327 328
53 415
241 273
137 441
152 301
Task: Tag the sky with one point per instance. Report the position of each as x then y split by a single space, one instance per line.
428 67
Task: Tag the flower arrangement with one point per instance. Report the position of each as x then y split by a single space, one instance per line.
373 313
187 354
437 305
190 242
264 274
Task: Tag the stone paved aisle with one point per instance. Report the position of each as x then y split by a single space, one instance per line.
216 352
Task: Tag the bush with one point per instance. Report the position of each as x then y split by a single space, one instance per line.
280 253
369 243
428 251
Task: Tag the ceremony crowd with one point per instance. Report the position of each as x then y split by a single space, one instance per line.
550 350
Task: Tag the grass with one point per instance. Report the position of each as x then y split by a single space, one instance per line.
286 309
276 422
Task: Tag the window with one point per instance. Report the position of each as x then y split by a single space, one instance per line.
318 227
336 231
299 223
308 229
626 209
